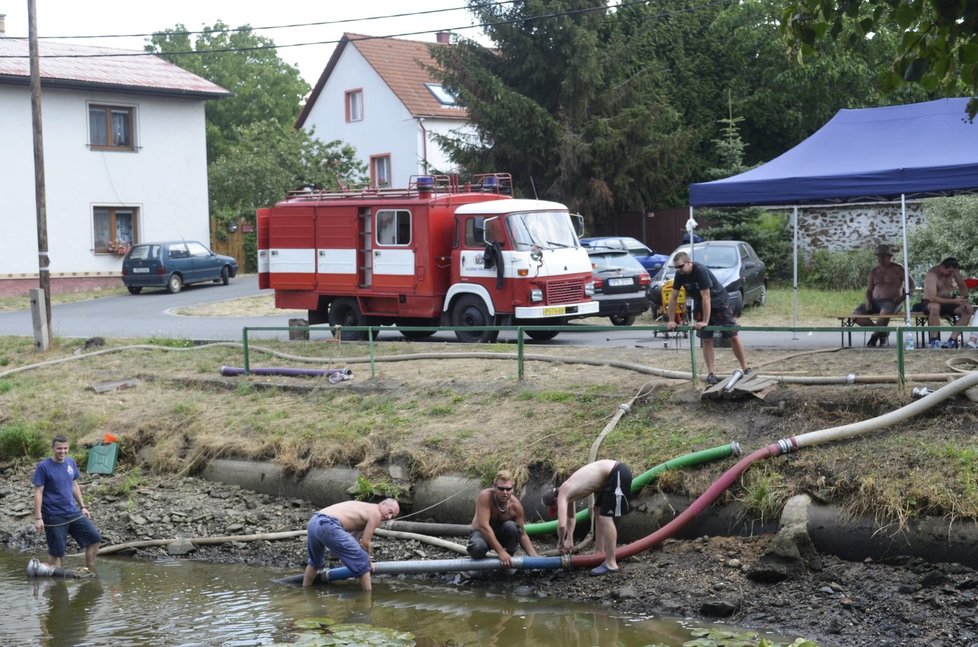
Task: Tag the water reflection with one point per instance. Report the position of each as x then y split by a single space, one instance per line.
188 604
69 610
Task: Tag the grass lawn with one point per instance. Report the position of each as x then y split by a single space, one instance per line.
815 307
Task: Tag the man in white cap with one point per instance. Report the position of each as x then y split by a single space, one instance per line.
884 294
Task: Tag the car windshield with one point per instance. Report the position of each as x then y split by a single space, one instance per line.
614 262
545 229
714 257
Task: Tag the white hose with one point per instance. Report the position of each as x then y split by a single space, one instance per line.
903 413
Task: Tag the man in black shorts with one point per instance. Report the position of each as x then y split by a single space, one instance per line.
611 484
710 308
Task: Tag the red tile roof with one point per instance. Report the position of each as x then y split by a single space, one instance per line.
403 66
125 70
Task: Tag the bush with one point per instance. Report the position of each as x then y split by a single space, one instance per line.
19 440
846 270
951 230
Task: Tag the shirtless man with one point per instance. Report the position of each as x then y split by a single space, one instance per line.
939 301
499 522
611 483
332 528
884 294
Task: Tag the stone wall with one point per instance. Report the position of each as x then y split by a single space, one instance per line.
852 227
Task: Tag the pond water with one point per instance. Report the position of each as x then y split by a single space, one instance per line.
186 603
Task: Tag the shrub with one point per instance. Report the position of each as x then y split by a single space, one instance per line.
19 440
847 270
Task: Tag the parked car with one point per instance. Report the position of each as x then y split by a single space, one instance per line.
651 261
174 264
733 262
621 286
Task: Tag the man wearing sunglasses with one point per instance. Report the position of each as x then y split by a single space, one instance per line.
499 522
710 308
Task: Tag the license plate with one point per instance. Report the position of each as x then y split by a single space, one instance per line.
553 311
140 270
621 281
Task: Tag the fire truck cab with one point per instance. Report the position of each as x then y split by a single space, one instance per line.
434 254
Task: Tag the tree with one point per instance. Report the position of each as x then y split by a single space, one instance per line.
263 86
951 230
564 104
938 39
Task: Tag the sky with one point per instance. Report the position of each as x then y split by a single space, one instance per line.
121 17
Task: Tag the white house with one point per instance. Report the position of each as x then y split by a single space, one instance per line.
378 95
124 160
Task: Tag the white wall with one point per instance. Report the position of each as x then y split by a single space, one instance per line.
165 178
387 126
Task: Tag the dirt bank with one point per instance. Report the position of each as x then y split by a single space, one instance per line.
830 601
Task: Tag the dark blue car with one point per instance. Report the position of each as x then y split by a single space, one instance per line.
651 261
174 264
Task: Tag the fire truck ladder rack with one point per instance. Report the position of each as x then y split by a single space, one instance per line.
418 186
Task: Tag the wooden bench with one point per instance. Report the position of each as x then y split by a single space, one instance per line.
920 320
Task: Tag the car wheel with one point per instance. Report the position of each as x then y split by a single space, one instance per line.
134 289
175 284
622 320
346 312
470 310
541 335
225 275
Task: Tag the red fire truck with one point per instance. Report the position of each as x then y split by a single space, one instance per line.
438 253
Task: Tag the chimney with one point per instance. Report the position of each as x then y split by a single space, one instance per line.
442 37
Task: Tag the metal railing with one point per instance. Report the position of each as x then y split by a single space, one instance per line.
521 334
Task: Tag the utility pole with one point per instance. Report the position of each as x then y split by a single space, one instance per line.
41 311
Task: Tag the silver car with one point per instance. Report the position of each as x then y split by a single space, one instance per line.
734 263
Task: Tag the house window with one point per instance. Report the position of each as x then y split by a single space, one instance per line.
114 225
354 105
380 171
110 127
444 97
393 227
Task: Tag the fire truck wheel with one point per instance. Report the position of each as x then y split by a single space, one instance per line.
470 310
346 312
175 284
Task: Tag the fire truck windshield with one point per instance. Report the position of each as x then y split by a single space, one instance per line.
545 229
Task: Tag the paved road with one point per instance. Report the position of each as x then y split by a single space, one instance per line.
152 313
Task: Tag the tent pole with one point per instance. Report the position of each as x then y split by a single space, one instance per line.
794 292
906 260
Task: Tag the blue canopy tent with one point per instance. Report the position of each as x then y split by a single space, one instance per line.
915 150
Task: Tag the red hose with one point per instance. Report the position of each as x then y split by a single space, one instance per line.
696 507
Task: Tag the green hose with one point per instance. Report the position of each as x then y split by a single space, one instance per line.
696 458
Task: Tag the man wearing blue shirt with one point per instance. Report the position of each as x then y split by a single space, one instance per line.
59 509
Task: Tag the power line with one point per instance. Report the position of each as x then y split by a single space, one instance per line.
271 27
522 19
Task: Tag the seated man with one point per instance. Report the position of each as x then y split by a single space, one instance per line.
884 294
940 285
